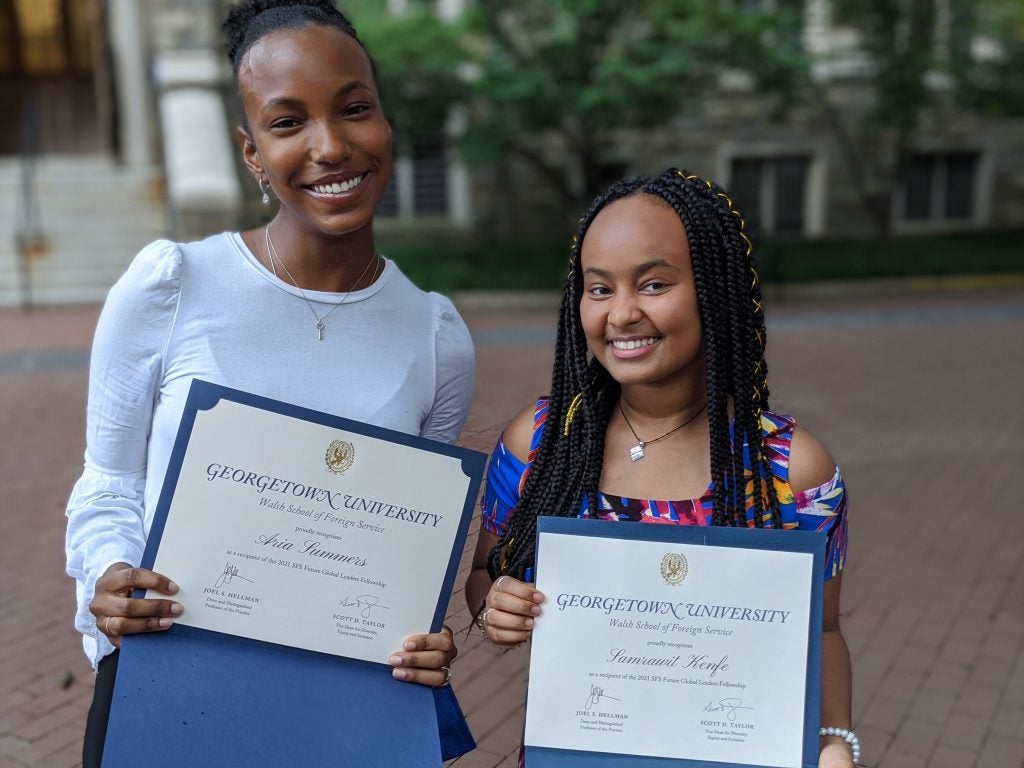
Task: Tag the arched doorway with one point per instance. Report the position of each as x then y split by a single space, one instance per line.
55 77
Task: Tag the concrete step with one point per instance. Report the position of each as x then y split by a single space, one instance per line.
93 215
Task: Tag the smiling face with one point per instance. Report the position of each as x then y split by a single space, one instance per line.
639 307
316 129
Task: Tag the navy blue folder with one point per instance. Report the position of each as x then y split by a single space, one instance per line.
787 541
197 698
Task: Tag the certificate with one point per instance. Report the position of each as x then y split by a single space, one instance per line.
286 526
307 548
665 645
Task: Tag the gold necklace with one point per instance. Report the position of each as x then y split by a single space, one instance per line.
320 326
637 451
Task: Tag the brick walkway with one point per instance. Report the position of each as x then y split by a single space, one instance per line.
919 399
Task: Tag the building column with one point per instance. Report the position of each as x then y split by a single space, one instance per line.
817 24
460 206
131 81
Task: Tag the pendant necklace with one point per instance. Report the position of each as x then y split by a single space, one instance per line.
319 325
637 451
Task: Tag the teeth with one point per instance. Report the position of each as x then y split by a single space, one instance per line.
338 188
633 343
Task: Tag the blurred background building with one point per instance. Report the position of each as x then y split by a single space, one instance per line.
824 118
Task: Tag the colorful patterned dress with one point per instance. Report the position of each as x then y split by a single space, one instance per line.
818 509
822 508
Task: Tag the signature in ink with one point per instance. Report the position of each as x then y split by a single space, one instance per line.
729 706
230 572
596 694
366 602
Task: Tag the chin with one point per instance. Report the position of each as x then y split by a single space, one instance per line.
343 226
649 376
627 377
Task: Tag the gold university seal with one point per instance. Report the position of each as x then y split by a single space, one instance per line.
674 568
339 457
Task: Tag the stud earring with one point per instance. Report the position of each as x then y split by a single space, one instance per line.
265 189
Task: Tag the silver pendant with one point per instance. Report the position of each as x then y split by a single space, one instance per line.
637 451
319 330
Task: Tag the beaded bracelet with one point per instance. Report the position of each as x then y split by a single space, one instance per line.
846 735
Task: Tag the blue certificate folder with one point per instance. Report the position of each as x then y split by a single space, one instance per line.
787 541
197 698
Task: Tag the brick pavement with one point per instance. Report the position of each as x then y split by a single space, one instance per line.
919 398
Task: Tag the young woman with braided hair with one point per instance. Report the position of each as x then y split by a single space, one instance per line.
658 413
302 310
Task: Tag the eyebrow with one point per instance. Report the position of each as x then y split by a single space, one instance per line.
638 270
287 102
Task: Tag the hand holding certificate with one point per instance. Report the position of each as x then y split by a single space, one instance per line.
293 532
645 649
306 549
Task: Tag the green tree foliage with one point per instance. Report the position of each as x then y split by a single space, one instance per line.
927 58
559 83
580 72
993 65
553 82
420 63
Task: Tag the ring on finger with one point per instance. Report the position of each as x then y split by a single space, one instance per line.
481 619
447 675
106 625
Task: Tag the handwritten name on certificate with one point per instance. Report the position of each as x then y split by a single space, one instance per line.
666 649
297 532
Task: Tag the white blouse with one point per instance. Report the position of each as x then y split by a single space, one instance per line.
392 355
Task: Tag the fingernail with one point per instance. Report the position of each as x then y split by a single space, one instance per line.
171 587
538 597
396 660
177 609
399 674
409 645
529 623
165 623
535 610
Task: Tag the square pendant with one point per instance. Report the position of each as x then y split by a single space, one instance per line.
636 452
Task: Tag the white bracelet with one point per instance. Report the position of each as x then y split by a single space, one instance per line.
846 735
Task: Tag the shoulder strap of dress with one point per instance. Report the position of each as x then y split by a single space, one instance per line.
777 424
777 431
540 418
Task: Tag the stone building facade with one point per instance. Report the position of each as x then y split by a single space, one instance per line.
125 133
